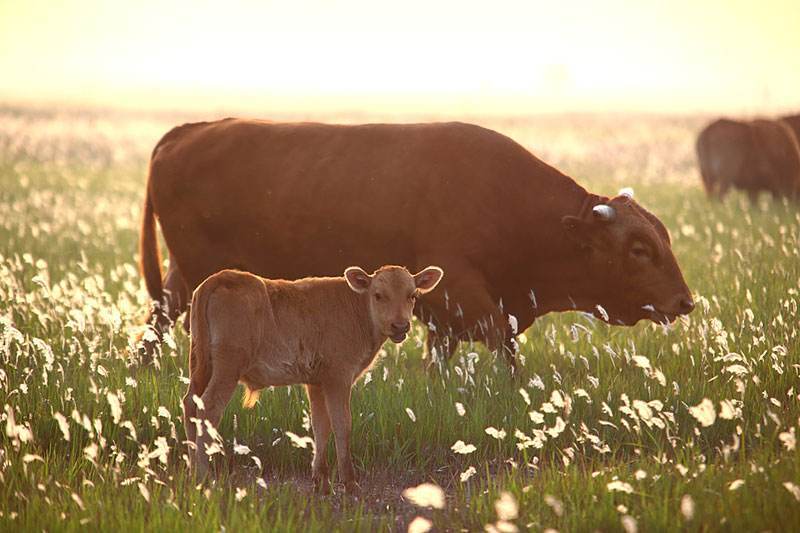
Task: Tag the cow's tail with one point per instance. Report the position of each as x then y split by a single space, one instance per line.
150 257
200 352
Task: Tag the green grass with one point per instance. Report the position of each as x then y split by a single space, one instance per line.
71 299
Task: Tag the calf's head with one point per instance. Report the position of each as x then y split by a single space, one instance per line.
631 271
391 292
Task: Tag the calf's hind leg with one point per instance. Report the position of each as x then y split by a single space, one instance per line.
215 399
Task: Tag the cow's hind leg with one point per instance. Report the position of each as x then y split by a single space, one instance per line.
176 293
214 399
164 313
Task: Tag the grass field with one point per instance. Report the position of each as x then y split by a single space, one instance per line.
687 427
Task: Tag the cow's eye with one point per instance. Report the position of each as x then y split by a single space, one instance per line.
378 297
640 251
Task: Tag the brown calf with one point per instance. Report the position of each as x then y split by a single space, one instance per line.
322 332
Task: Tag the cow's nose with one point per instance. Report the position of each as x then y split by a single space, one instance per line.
686 305
400 327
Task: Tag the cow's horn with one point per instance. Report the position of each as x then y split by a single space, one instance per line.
626 191
604 212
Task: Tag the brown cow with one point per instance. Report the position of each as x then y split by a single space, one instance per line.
755 156
516 236
322 332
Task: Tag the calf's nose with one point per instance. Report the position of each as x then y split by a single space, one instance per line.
400 327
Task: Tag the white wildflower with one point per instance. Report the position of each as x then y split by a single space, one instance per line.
704 412
299 442
468 473
462 448
425 495
736 484
498 434
506 507
793 489
536 417
145 492
555 504
687 507
63 425
420 525
240 449
619 486
525 397
788 439
629 524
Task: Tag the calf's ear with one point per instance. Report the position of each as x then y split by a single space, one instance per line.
427 279
357 279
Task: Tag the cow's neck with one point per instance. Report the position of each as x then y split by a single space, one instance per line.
556 274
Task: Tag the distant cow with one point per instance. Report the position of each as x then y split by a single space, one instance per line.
794 122
322 332
516 236
755 156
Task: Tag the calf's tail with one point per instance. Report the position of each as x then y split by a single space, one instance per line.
250 397
199 354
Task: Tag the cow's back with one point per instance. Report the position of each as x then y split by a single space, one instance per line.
779 164
306 199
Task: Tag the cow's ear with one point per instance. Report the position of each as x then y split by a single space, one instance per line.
578 230
428 278
357 279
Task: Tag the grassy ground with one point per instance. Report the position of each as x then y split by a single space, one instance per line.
601 429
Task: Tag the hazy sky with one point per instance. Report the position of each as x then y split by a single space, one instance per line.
450 56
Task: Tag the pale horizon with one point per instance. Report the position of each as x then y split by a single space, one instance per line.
507 58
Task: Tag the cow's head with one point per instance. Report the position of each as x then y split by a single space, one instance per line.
631 269
391 292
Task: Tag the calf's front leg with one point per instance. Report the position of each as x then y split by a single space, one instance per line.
321 424
337 401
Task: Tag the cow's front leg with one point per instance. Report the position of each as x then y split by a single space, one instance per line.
472 314
337 401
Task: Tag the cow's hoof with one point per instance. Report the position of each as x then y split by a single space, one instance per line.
351 488
322 485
